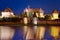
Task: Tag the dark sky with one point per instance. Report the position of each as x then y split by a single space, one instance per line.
18 6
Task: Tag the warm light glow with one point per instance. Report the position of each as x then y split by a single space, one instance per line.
55 16
12 14
0 16
41 15
35 28
6 33
40 32
26 10
7 14
25 20
25 30
52 18
27 14
54 31
37 15
35 20
30 34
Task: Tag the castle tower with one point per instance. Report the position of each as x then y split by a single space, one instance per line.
7 13
41 11
55 14
27 11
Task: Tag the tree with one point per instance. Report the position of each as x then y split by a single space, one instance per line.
47 17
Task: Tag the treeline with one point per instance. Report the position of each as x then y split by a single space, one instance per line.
10 19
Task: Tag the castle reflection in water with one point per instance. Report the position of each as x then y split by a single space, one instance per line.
29 32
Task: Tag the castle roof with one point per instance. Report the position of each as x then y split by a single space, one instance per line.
55 11
7 10
41 10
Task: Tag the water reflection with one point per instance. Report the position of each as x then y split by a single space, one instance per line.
11 33
6 32
40 32
25 30
29 32
55 32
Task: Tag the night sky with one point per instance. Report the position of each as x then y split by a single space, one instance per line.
18 6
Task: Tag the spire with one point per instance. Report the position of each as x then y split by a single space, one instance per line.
41 10
28 7
7 10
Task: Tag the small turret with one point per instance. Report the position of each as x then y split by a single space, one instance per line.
55 14
41 11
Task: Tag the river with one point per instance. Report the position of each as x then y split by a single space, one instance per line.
29 32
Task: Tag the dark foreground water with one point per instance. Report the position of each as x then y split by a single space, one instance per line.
29 32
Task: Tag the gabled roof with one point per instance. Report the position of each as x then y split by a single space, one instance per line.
55 11
41 10
34 9
7 10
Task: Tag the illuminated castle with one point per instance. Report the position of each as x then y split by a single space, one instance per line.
38 11
7 13
41 12
55 14
27 11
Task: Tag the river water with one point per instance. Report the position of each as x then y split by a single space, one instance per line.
29 32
